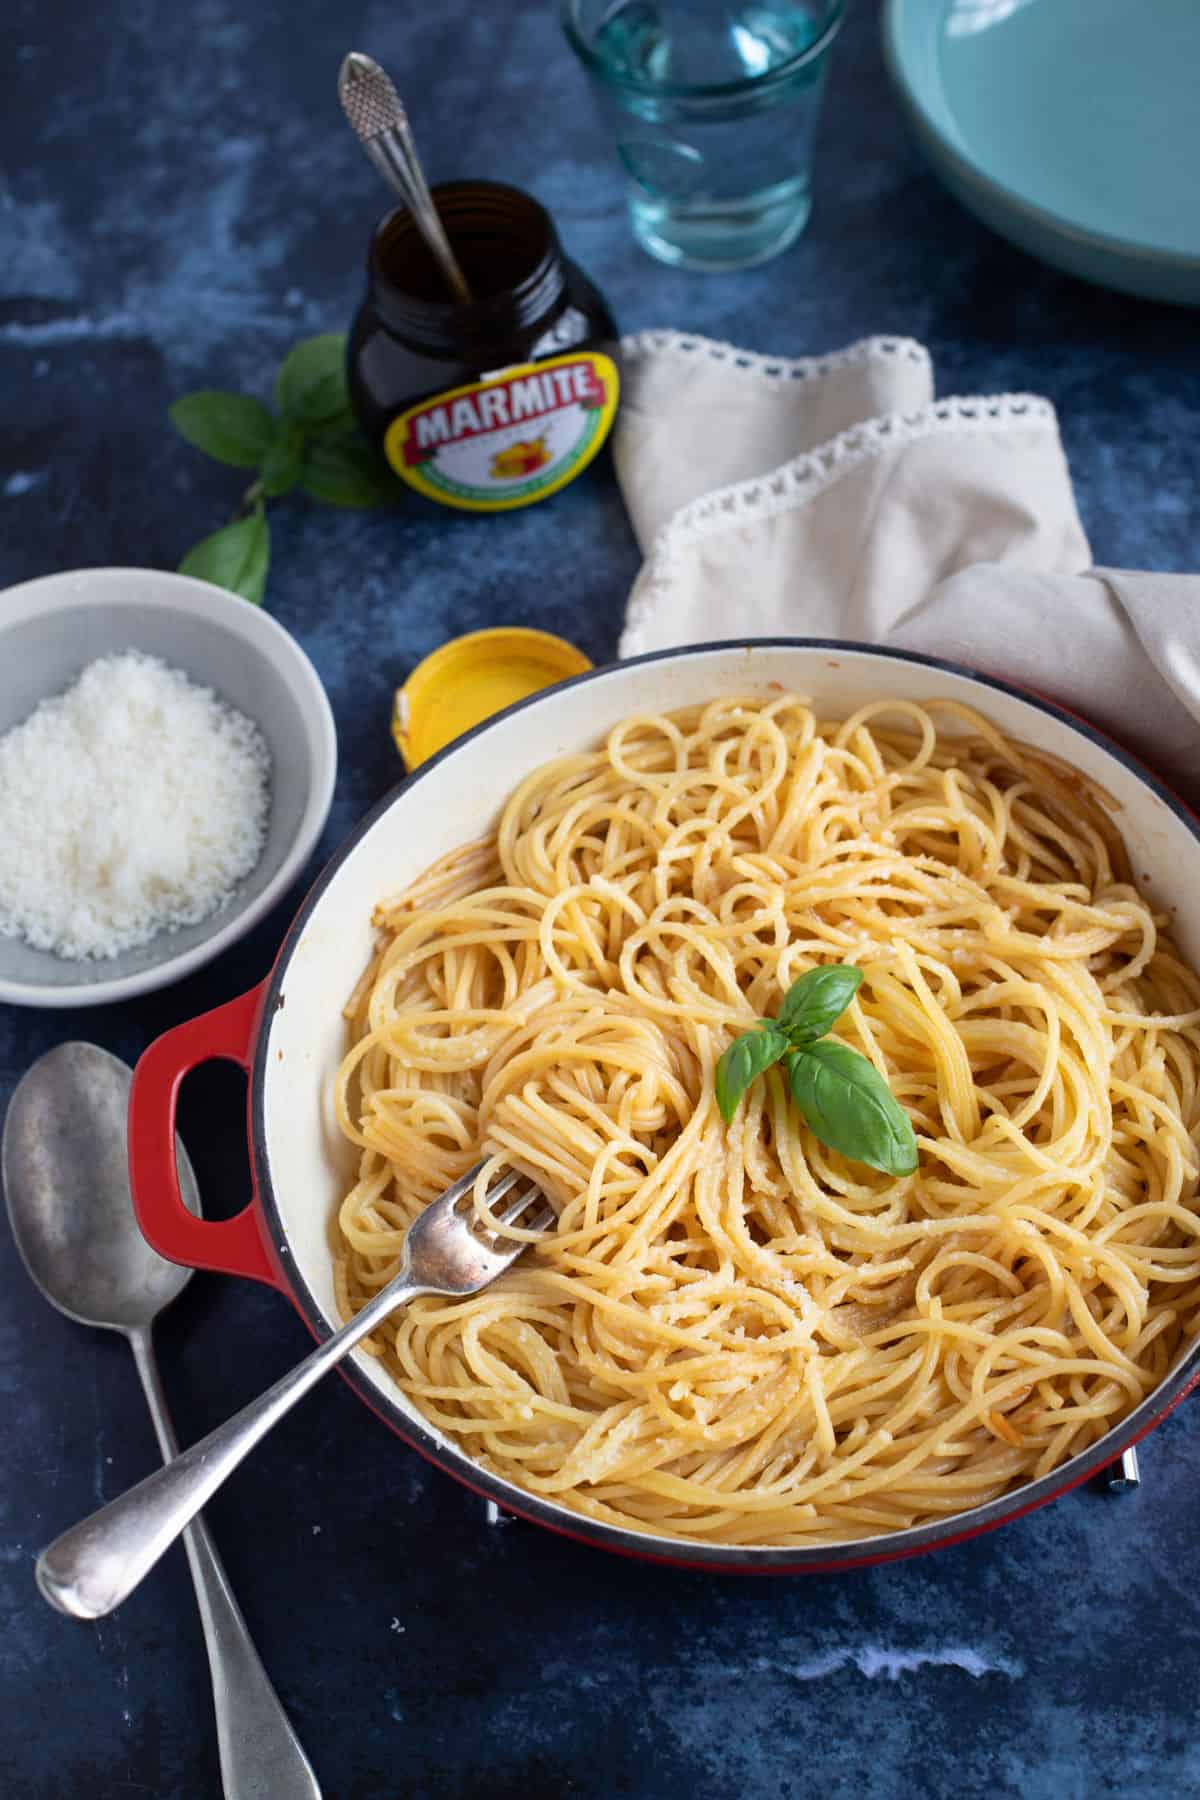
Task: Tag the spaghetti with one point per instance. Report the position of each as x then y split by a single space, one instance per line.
738 1335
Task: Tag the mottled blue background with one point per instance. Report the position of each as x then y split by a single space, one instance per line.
179 201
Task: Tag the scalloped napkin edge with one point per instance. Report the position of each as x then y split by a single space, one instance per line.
834 497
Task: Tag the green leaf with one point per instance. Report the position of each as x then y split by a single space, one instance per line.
849 1106
230 427
339 424
748 1057
814 1004
347 472
284 461
311 384
236 557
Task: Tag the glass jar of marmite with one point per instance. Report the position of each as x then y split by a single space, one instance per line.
497 402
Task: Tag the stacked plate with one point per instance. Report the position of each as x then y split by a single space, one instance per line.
1070 126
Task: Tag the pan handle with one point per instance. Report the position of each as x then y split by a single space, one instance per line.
229 1246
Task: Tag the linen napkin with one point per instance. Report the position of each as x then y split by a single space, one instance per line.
834 496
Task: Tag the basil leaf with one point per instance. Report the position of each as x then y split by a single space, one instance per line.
746 1058
311 383
284 460
236 557
849 1106
814 1004
343 423
347 472
232 428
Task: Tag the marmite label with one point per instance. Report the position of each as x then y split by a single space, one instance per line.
510 440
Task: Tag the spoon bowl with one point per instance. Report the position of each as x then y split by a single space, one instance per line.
65 1169
66 1186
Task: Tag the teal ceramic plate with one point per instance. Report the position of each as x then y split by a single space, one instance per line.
1070 126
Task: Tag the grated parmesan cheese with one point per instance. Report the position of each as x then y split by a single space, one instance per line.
131 804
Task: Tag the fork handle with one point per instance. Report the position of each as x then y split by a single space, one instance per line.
95 1565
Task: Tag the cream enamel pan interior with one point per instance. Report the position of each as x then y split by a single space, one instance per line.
300 1165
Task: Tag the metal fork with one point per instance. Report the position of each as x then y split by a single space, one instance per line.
95 1565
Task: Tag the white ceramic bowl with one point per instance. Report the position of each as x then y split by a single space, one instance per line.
289 1034
51 628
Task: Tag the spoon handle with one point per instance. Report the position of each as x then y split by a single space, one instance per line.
95 1565
259 1751
394 155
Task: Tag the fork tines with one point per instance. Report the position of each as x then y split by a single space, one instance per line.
498 1190
543 1217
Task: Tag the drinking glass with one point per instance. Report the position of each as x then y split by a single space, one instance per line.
713 108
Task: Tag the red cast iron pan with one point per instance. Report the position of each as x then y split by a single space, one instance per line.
255 1243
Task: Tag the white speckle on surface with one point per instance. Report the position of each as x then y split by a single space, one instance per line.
397 1626
316 1531
212 280
80 329
20 483
877 1659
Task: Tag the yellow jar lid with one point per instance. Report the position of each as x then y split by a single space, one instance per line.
472 677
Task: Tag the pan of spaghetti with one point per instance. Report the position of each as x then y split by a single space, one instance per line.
743 1346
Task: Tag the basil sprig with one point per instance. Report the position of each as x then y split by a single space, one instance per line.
310 441
814 1004
850 1107
748 1057
843 1098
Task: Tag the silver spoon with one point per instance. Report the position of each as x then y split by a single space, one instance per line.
380 123
66 1183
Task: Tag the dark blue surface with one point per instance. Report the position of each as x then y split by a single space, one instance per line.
180 200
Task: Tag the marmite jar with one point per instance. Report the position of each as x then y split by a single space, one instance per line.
497 402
